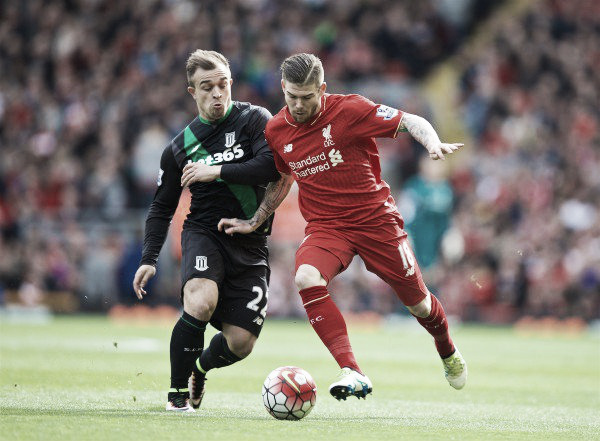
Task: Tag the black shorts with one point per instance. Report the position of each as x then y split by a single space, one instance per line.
242 275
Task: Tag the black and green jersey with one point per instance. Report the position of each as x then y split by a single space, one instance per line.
237 143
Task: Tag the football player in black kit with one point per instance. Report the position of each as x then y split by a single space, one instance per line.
222 156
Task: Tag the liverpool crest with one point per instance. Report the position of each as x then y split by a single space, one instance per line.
327 135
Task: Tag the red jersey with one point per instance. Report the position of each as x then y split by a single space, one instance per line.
334 159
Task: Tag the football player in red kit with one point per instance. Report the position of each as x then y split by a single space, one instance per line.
325 142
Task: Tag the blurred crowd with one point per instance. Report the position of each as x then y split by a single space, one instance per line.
91 91
528 195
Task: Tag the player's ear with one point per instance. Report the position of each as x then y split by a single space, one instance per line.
283 85
323 88
192 91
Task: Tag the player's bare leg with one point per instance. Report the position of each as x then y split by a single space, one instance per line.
430 314
329 324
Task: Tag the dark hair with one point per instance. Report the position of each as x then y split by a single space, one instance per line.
302 69
205 60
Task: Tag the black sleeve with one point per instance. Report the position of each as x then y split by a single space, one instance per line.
260 169
162 208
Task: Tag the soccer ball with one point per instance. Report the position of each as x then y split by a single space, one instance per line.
289 393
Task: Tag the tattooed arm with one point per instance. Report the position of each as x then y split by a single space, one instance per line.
274 195
422 131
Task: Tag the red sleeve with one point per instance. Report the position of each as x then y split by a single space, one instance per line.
282 167
369 120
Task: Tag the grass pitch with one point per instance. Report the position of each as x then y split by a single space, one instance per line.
87 378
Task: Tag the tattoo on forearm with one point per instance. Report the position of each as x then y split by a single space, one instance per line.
420 129
274 195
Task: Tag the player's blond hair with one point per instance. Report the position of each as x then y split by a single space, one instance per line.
303 69
205 60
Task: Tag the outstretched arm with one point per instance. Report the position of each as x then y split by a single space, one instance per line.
422 131
159 217
274 195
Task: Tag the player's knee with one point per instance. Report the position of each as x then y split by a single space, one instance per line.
241 345
199 309
200 298
308 276
421 309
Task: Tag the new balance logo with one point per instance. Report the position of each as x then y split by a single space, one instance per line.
335 156
258 320
327 135
287 148
201 263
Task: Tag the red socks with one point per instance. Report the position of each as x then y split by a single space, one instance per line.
437 325
328 323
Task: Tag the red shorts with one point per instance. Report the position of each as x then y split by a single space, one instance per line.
385 251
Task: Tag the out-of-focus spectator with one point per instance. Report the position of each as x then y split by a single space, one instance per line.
427 204
87 97
528 205
99 273
87 100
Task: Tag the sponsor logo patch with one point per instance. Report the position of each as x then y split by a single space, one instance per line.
386 112
335 157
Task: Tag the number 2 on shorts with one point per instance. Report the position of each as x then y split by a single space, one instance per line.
253 304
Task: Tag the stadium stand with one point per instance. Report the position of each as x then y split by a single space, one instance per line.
91 92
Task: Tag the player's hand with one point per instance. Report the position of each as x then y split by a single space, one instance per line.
230 226
437 151
142 275
196 172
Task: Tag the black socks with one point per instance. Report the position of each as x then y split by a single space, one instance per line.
187 341
217 354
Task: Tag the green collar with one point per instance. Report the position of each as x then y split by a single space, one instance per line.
220 120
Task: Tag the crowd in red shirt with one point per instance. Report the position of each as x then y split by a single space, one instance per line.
91 92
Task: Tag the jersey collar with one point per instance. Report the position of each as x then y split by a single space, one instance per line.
292 122
220 120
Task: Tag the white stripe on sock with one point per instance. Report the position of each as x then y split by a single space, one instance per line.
312 301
